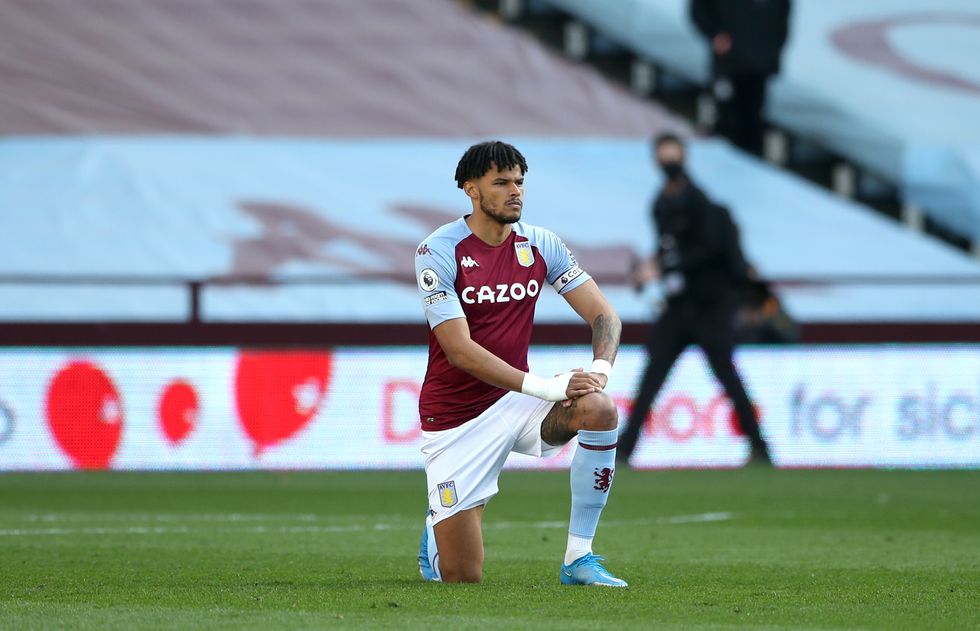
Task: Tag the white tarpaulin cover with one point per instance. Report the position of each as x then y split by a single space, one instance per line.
213 138
213 208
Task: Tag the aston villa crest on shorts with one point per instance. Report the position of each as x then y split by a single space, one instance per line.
447 494
525 255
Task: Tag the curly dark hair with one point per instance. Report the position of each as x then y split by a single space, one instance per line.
479 158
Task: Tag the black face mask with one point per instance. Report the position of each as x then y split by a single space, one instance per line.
672 170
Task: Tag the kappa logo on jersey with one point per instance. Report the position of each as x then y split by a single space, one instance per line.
447 494
428 279
423 249
525 255
439 296
603 479
500 293
469 262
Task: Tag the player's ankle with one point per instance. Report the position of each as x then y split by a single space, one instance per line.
577 548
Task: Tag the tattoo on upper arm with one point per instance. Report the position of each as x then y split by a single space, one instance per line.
605 337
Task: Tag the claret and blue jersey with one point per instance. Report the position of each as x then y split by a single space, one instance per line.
495 288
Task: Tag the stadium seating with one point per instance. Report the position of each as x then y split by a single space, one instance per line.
260 160
348 210
888 84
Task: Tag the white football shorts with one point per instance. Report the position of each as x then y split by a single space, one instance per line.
462 464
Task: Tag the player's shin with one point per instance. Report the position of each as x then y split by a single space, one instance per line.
591 476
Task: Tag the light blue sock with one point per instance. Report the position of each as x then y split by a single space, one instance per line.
432 549
593 466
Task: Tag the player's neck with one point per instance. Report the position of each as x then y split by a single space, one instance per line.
488 229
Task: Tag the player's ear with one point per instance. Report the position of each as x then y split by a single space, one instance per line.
471 189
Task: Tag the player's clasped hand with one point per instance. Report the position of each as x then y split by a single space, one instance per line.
583 383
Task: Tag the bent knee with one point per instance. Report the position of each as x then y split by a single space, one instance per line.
598 412
462 574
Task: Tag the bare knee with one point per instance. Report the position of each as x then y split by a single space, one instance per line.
597 412
469 572
462 568
460 542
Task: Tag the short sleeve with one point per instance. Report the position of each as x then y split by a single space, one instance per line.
435 273
564 273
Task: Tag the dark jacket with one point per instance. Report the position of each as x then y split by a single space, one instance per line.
698 250
758 29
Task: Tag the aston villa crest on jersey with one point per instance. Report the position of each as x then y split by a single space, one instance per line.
525 255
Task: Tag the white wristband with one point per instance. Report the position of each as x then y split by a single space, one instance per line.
601 366
553 389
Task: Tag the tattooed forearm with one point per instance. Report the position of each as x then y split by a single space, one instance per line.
605 336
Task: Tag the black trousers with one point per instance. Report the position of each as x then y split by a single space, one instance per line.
678 327
740 115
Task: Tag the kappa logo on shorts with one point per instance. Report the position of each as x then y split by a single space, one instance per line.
447 494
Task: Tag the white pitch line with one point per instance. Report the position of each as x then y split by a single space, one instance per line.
695 519
165 530
377 527
205 517
674 520
25 532
536 525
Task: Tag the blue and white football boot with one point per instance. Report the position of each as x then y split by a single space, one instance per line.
428 553
587 570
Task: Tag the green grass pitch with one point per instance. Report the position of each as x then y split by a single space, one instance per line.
701 549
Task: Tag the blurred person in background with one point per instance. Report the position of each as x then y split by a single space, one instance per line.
761 316
704 274
746 39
